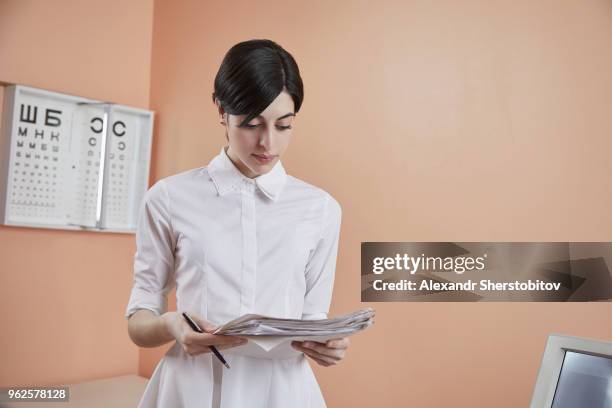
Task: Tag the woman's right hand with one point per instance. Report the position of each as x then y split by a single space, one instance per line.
195 343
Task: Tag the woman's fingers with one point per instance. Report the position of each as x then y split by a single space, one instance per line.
341 343
195 347
320 358
195 343
205 325
322 349
329 356
319 361
207 339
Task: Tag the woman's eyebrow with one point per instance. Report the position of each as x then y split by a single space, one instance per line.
286 115
282 117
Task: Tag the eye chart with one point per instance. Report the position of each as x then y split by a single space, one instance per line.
72 163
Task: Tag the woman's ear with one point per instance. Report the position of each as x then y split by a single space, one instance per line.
221 112
222 117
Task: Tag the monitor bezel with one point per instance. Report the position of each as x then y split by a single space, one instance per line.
552 362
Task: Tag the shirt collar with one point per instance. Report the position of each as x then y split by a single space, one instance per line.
226 177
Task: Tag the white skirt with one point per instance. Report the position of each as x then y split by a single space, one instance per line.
184 381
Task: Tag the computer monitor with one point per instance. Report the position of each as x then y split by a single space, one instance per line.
574 372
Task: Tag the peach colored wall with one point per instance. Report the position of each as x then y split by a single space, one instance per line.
444 120
63 293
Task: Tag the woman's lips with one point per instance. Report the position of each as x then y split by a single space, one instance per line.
263 158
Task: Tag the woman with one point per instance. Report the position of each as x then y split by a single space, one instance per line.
237 236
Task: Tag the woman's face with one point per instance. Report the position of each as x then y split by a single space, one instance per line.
256 147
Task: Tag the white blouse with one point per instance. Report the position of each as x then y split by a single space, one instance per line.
233 245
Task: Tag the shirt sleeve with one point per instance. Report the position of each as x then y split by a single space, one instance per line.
154 258
321 267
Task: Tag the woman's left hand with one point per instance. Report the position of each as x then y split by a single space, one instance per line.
326 354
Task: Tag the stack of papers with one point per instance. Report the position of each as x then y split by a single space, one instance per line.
271 337
258 325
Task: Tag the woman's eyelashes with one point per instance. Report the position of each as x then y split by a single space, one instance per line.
256 125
